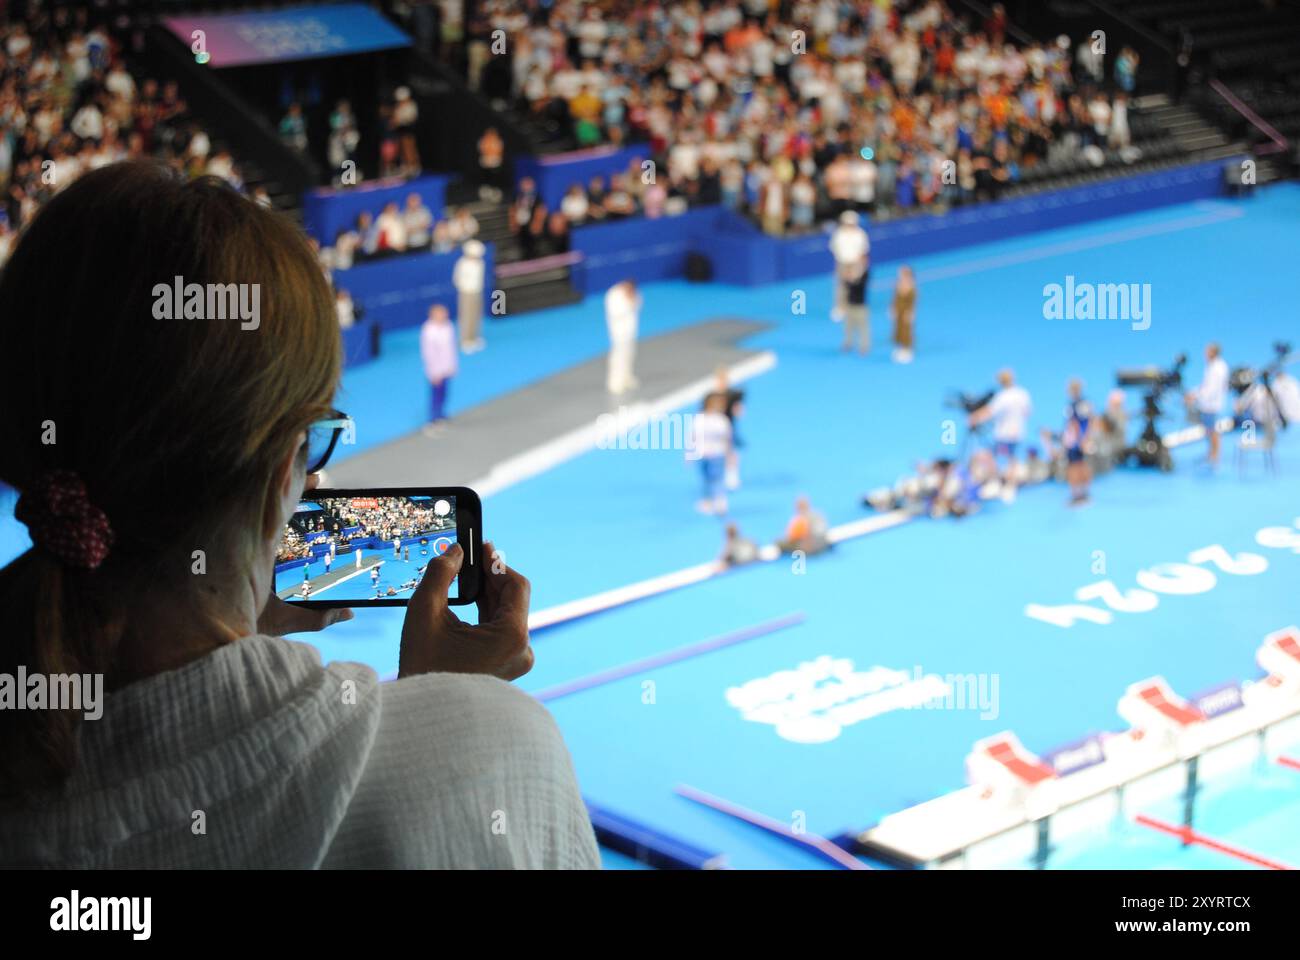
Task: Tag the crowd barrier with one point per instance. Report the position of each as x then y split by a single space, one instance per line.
641 248
361 342
645 249
319 550
397 291
328 210
554 174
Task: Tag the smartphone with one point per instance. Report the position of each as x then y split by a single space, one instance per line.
370 548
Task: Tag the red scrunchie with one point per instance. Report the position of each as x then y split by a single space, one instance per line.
62 520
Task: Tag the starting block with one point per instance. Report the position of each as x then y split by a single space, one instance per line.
1160 718
1279 656
1003 770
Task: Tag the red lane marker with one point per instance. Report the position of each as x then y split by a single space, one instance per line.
1192 836
1289 762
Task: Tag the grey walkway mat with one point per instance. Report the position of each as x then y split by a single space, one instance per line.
543 423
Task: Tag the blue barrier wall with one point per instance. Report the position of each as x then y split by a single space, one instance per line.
326 211
556 173
319 550
640 248
741 254
360 342
397 291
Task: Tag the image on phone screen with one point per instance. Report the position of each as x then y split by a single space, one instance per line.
357 549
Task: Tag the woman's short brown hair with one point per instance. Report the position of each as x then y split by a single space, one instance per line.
175 426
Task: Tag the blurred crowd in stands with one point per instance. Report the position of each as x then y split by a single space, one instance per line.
392 519
399 154
394 230
795 111
69 103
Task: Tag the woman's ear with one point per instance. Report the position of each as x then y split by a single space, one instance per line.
285 487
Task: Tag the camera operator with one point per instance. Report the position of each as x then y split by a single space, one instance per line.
1109 431
1269 400
1210 398
1009 409
1258 415
1286 391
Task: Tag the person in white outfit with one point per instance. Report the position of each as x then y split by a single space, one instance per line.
851 248
1210 398
710 445
467 277
1009 410
622 312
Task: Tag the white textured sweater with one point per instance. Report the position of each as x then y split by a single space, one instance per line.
258 756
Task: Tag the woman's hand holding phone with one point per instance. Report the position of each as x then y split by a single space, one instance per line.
435 640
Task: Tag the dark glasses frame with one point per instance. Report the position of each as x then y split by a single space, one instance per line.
338 422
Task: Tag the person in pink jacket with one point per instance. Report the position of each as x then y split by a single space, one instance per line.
441 360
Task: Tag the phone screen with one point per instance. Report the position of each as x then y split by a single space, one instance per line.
365 547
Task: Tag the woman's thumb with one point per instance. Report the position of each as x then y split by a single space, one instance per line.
440 573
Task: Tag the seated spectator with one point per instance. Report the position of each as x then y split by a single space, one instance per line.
345 249
392 230
618 202
344 308
463 226
596 198
655 200
574 205
419 223
368 232
442 239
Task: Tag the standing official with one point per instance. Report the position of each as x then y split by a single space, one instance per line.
468 276
622 313
851 249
